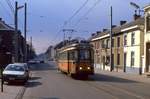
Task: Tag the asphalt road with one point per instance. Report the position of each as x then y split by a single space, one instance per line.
47 83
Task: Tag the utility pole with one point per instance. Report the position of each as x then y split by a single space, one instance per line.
16 39
31 41
25 32
30 48
16 31
31 45
111 61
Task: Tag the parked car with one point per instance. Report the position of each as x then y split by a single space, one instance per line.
41 61
32 62
26 66
16 72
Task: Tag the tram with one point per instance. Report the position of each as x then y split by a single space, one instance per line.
76 59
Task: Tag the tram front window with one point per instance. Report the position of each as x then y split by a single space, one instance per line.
84 55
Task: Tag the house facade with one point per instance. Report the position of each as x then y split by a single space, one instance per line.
7 45
127 47
117 48
147 39
100 42
133 35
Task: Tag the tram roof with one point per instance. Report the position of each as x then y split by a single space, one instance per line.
75 46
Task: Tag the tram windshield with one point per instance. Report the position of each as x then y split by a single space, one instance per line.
84 55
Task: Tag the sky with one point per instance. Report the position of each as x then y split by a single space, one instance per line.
47 18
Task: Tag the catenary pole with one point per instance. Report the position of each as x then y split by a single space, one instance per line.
25 31
111 58
16 31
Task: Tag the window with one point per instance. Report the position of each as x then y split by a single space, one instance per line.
73 55
133 38
107 60
125 40
63 55
118 59
132 59
102 44
14 68
118 41
148 23
84 54
97 45
107 43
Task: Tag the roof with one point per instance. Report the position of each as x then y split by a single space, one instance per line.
117 29
139 21
147 6
76 46
101 34
4 26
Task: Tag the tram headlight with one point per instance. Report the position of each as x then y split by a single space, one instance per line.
88 68
80 68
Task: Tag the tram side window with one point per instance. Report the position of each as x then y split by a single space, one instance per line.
63 55
72 55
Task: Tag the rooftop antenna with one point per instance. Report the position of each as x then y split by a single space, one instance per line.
137 7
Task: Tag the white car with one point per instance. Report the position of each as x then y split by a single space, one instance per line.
15 72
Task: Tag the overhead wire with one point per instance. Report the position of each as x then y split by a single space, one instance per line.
9 3
77 11
85 15
89 10
10 6
66 22
5 8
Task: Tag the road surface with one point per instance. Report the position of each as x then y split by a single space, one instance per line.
47 83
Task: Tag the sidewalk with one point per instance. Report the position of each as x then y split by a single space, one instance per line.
133 77
11 92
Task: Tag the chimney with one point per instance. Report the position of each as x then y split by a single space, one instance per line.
136 16
122 22
93 34
104 30
113 26
98 32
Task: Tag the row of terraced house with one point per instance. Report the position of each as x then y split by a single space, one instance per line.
130 45
7 45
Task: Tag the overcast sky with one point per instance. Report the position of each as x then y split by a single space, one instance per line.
46 18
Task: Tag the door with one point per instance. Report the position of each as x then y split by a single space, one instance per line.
149 60
147 57
125 58
103 60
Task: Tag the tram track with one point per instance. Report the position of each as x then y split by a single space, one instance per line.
115 91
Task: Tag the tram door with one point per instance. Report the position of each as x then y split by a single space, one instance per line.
72 59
